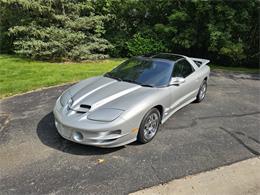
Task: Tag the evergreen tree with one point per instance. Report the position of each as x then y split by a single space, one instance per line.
55 29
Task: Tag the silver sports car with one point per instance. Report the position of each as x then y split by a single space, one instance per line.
130 102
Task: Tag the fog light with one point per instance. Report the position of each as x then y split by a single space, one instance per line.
77 136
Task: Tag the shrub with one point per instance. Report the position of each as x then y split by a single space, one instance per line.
140 45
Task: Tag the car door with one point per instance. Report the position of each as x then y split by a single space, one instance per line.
186 92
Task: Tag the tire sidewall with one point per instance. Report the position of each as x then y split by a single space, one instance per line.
198 99
140 136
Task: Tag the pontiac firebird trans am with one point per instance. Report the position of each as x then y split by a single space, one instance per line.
130 102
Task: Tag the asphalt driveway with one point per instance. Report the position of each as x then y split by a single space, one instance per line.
223 129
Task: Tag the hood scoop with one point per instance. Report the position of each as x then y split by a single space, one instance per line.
82 108
85 106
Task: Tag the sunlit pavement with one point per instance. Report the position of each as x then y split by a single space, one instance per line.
237 179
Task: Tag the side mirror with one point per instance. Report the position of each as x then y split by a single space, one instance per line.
177 81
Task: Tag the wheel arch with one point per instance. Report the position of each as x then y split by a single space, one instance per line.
161 109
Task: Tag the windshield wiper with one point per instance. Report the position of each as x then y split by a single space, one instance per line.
132 81
146 85
112 77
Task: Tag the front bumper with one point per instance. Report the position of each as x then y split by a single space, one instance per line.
102 134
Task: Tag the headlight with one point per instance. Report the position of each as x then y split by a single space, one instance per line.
105 114
65 97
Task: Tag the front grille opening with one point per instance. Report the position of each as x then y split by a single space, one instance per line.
117 132
85 106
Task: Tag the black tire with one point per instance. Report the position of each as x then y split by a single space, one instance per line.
142 136
201 97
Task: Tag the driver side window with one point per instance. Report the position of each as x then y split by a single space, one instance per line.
182 68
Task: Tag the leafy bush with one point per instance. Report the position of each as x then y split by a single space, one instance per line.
226 32
140 45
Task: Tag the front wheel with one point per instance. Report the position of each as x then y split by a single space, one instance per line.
202 92
149 126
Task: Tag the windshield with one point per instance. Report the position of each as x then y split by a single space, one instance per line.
146 72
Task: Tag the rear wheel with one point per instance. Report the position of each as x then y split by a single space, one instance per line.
149 126
202 92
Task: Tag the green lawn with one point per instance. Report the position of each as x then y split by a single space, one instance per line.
19 75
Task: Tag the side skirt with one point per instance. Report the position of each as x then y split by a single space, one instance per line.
176 109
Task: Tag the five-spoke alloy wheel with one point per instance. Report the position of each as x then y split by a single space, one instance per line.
149 126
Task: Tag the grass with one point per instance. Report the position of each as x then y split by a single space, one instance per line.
18 75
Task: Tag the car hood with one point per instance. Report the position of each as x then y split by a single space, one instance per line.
105 92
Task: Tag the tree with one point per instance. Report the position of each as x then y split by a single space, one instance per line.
55 29
227 32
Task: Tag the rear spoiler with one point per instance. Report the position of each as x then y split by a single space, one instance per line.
200 62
